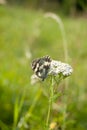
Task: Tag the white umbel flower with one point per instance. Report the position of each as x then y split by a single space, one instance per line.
58 67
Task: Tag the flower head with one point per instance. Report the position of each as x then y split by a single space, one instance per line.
58 67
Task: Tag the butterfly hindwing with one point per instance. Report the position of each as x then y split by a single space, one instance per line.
41 66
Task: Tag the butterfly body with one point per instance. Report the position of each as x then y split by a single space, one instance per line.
41 66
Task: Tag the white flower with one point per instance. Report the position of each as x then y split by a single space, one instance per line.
34 79
58 67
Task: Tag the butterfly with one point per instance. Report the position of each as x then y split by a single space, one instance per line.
41 66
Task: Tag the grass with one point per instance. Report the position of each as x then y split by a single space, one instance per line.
22 32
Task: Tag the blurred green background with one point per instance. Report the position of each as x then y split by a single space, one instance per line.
24 35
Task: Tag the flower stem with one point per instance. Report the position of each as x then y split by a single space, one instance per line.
50 102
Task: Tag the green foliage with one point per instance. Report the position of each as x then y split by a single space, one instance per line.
24 32
66 6
73 6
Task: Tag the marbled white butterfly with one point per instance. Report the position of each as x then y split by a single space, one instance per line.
41 66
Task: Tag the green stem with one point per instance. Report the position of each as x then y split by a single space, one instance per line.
50 103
